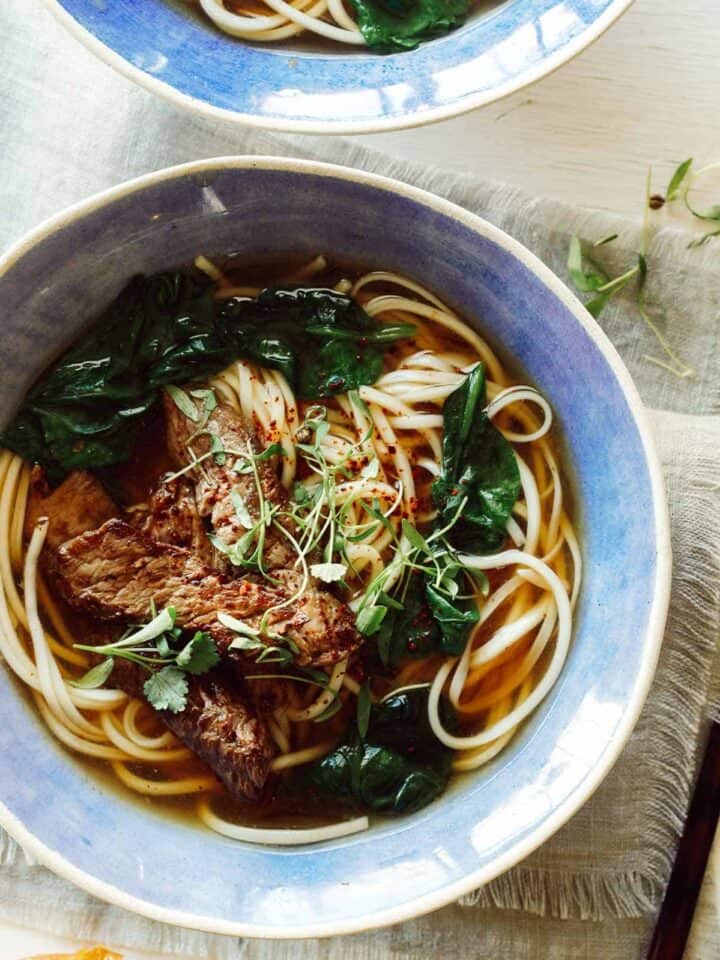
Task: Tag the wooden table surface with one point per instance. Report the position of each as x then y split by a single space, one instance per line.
648 93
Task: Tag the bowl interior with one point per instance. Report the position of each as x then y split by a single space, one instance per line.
489 820
323 87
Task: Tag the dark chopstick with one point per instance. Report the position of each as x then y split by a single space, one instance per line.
676 913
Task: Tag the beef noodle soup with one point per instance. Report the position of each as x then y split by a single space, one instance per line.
284 538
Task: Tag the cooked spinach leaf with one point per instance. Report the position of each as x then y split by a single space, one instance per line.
411 629
398 767
480 477
427 621
322 341
390 25
168 330
454 617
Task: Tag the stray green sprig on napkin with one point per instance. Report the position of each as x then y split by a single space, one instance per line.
588 277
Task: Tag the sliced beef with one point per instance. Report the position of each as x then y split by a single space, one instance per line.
173 518
215 483
80 503
218 723
117 571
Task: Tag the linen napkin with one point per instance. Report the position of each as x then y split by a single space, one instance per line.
71 127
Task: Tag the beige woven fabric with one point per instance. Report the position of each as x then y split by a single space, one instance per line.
71 127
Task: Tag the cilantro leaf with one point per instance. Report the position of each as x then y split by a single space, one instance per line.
167 689
199 655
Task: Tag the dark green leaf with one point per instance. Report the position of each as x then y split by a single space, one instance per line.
480 478
389 25
322 341
167 689
410 628
398 767
456 619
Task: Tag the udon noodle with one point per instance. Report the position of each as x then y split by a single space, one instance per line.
517 647
267 21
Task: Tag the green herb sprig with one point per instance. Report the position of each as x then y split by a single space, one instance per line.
154 647
587 276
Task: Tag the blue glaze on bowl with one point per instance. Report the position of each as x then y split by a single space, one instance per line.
502 48
60 277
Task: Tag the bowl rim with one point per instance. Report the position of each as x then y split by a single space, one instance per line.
166 91
656 617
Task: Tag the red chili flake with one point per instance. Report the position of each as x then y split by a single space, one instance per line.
363 342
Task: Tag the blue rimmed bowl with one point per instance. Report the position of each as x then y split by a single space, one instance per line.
59 277
503 47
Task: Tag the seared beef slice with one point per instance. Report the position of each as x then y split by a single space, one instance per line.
116 572
217 724
216 482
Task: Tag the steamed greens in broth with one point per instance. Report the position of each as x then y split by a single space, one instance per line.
397 766
170 329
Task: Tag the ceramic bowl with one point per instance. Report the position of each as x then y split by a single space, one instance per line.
58 278
178 54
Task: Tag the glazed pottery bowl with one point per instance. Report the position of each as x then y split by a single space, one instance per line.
180 55
58 278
